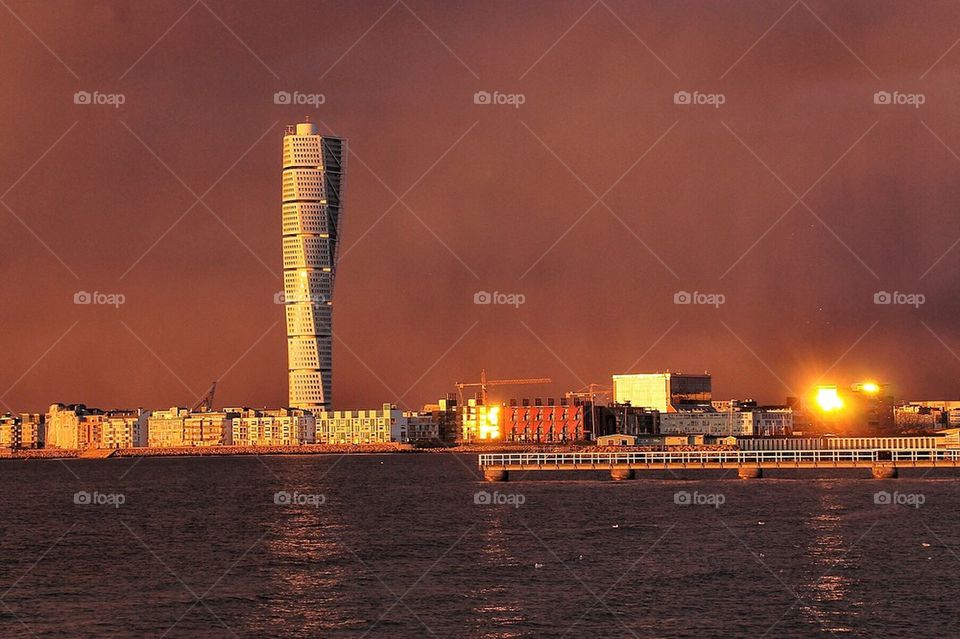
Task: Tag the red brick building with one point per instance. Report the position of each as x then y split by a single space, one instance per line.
545 422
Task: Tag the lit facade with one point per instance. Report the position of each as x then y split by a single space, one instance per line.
21 431
362 426
479 422
282 427
757 422
313 172
71 426
664 392
165 428
123 429
551 423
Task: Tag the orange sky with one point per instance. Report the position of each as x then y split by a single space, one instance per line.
486 191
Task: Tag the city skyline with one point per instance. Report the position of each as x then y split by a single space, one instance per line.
126 178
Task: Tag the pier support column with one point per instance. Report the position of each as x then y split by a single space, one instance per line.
750 472
495 474
884 471
620 474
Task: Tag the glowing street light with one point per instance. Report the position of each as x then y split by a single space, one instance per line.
828 399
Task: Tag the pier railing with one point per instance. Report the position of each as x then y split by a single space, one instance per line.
716 457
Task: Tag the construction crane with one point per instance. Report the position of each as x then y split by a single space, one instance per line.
205 403
484 383
590 392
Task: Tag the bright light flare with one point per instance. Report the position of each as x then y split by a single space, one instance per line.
870 387
828 399
490 423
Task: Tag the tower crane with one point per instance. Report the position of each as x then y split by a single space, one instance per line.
205 403
484 383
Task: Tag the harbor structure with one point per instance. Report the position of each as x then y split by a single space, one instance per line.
312 198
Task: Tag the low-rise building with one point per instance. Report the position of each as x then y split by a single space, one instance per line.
362 426
275 427
123 429
75 426
446 417
545 422
738 421
165 428
422 426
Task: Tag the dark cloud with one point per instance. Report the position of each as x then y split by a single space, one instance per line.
799 304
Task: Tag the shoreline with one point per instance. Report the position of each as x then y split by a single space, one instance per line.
316 449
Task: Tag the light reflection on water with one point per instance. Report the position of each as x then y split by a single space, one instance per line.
407 528
830 549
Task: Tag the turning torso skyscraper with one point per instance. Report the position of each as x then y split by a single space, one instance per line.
313 172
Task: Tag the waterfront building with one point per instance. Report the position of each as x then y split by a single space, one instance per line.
547 421
362 426
277 427
75 426
123 429
211 428
927 415
627 420
479 422
71 426
664 392
422 426
312 194
738 421
446 417
21 431
9 425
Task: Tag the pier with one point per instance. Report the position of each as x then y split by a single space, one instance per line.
749 464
